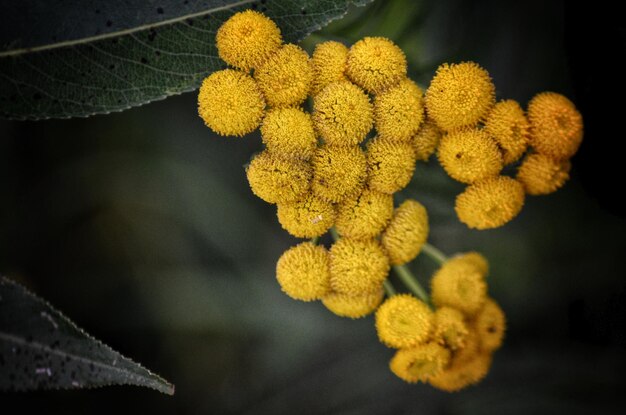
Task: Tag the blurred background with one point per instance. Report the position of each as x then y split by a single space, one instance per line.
140 226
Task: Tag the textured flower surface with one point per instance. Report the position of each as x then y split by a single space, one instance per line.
329 64
353 306
339 172
541 175
407 232
508 126
490 325
450 328
420 363
398 111
357 267
375 64
403 321
288 132
303 272
457 377
426 141
307 217
470 155
460 287
278 180
364 216
390 165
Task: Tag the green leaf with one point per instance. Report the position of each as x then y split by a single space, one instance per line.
40 348
78 58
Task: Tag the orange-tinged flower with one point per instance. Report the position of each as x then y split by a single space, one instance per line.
490 326
407 232
375 64
329 64
364 216
426 140
278 180
420 363
307 217
288 132
457 377
390 165
353 306
398 111
542 175
458 286
469 155
450 328
303 272
508 126
403 321
338 172
357 267
470 349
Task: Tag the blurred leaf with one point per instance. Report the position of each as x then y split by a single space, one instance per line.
41 349
59 61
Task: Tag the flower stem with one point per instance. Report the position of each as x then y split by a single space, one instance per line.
389 289
315 240
434 253
411 283
334 233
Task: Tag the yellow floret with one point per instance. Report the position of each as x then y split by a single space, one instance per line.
230 103
278 180
490 203
458 286
285 78
420 363
508 126
357 267
375 64
556 125
364 216
403 321
459 95
469 155
390 165
353 306
288 132
470 349
342 114
307 217
542 175
398 111
247 39
338 172
303 272
473 260
457 377
450 328
329 64
407 232
426 140
490 325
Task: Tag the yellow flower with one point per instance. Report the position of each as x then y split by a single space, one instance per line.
329 64
459 286
364 216
307 217
357 267
490 325
542 175
507 124
419 363
470 349
556 125
338 172
398 111
403 321
457 377
286 77
303 272
426 140
407 232
278 180
342 114
353 306
469 155
450 328
473 260
230 103
288 132
490 203
375 64
460 95
247 39
391 165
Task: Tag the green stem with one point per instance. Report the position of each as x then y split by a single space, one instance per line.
389 289
411 283
315 240
334 233
434 253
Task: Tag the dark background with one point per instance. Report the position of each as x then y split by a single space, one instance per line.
140 226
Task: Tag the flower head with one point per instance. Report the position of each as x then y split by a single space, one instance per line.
403 321
338 172
426 140
230 103
307 217
490 326
470 348
357 267
353 306
458 286
407 232
364 216
247 39
390 165
398 111
490 203
542 175
278 180
450 328
469 155
457 377
375 64
508 126
459 95
329 64
420 363
472 260
303 272
288 132
342 114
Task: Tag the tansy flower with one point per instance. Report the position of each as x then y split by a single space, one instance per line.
342 114
459 95
542 175
419 363
278 180
288 132
329 64
556 125
353 306
398 111
357 267
364 216
338 172
457 377
375 64
303 272
458 286
403 321
472 260
390 165
247 39
307 217
470 348
450 328
490 203
285 78
426 140
508 126
230 103
407 232
490 326
469 155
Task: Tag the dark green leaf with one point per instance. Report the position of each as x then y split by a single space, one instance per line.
41 349
81 58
